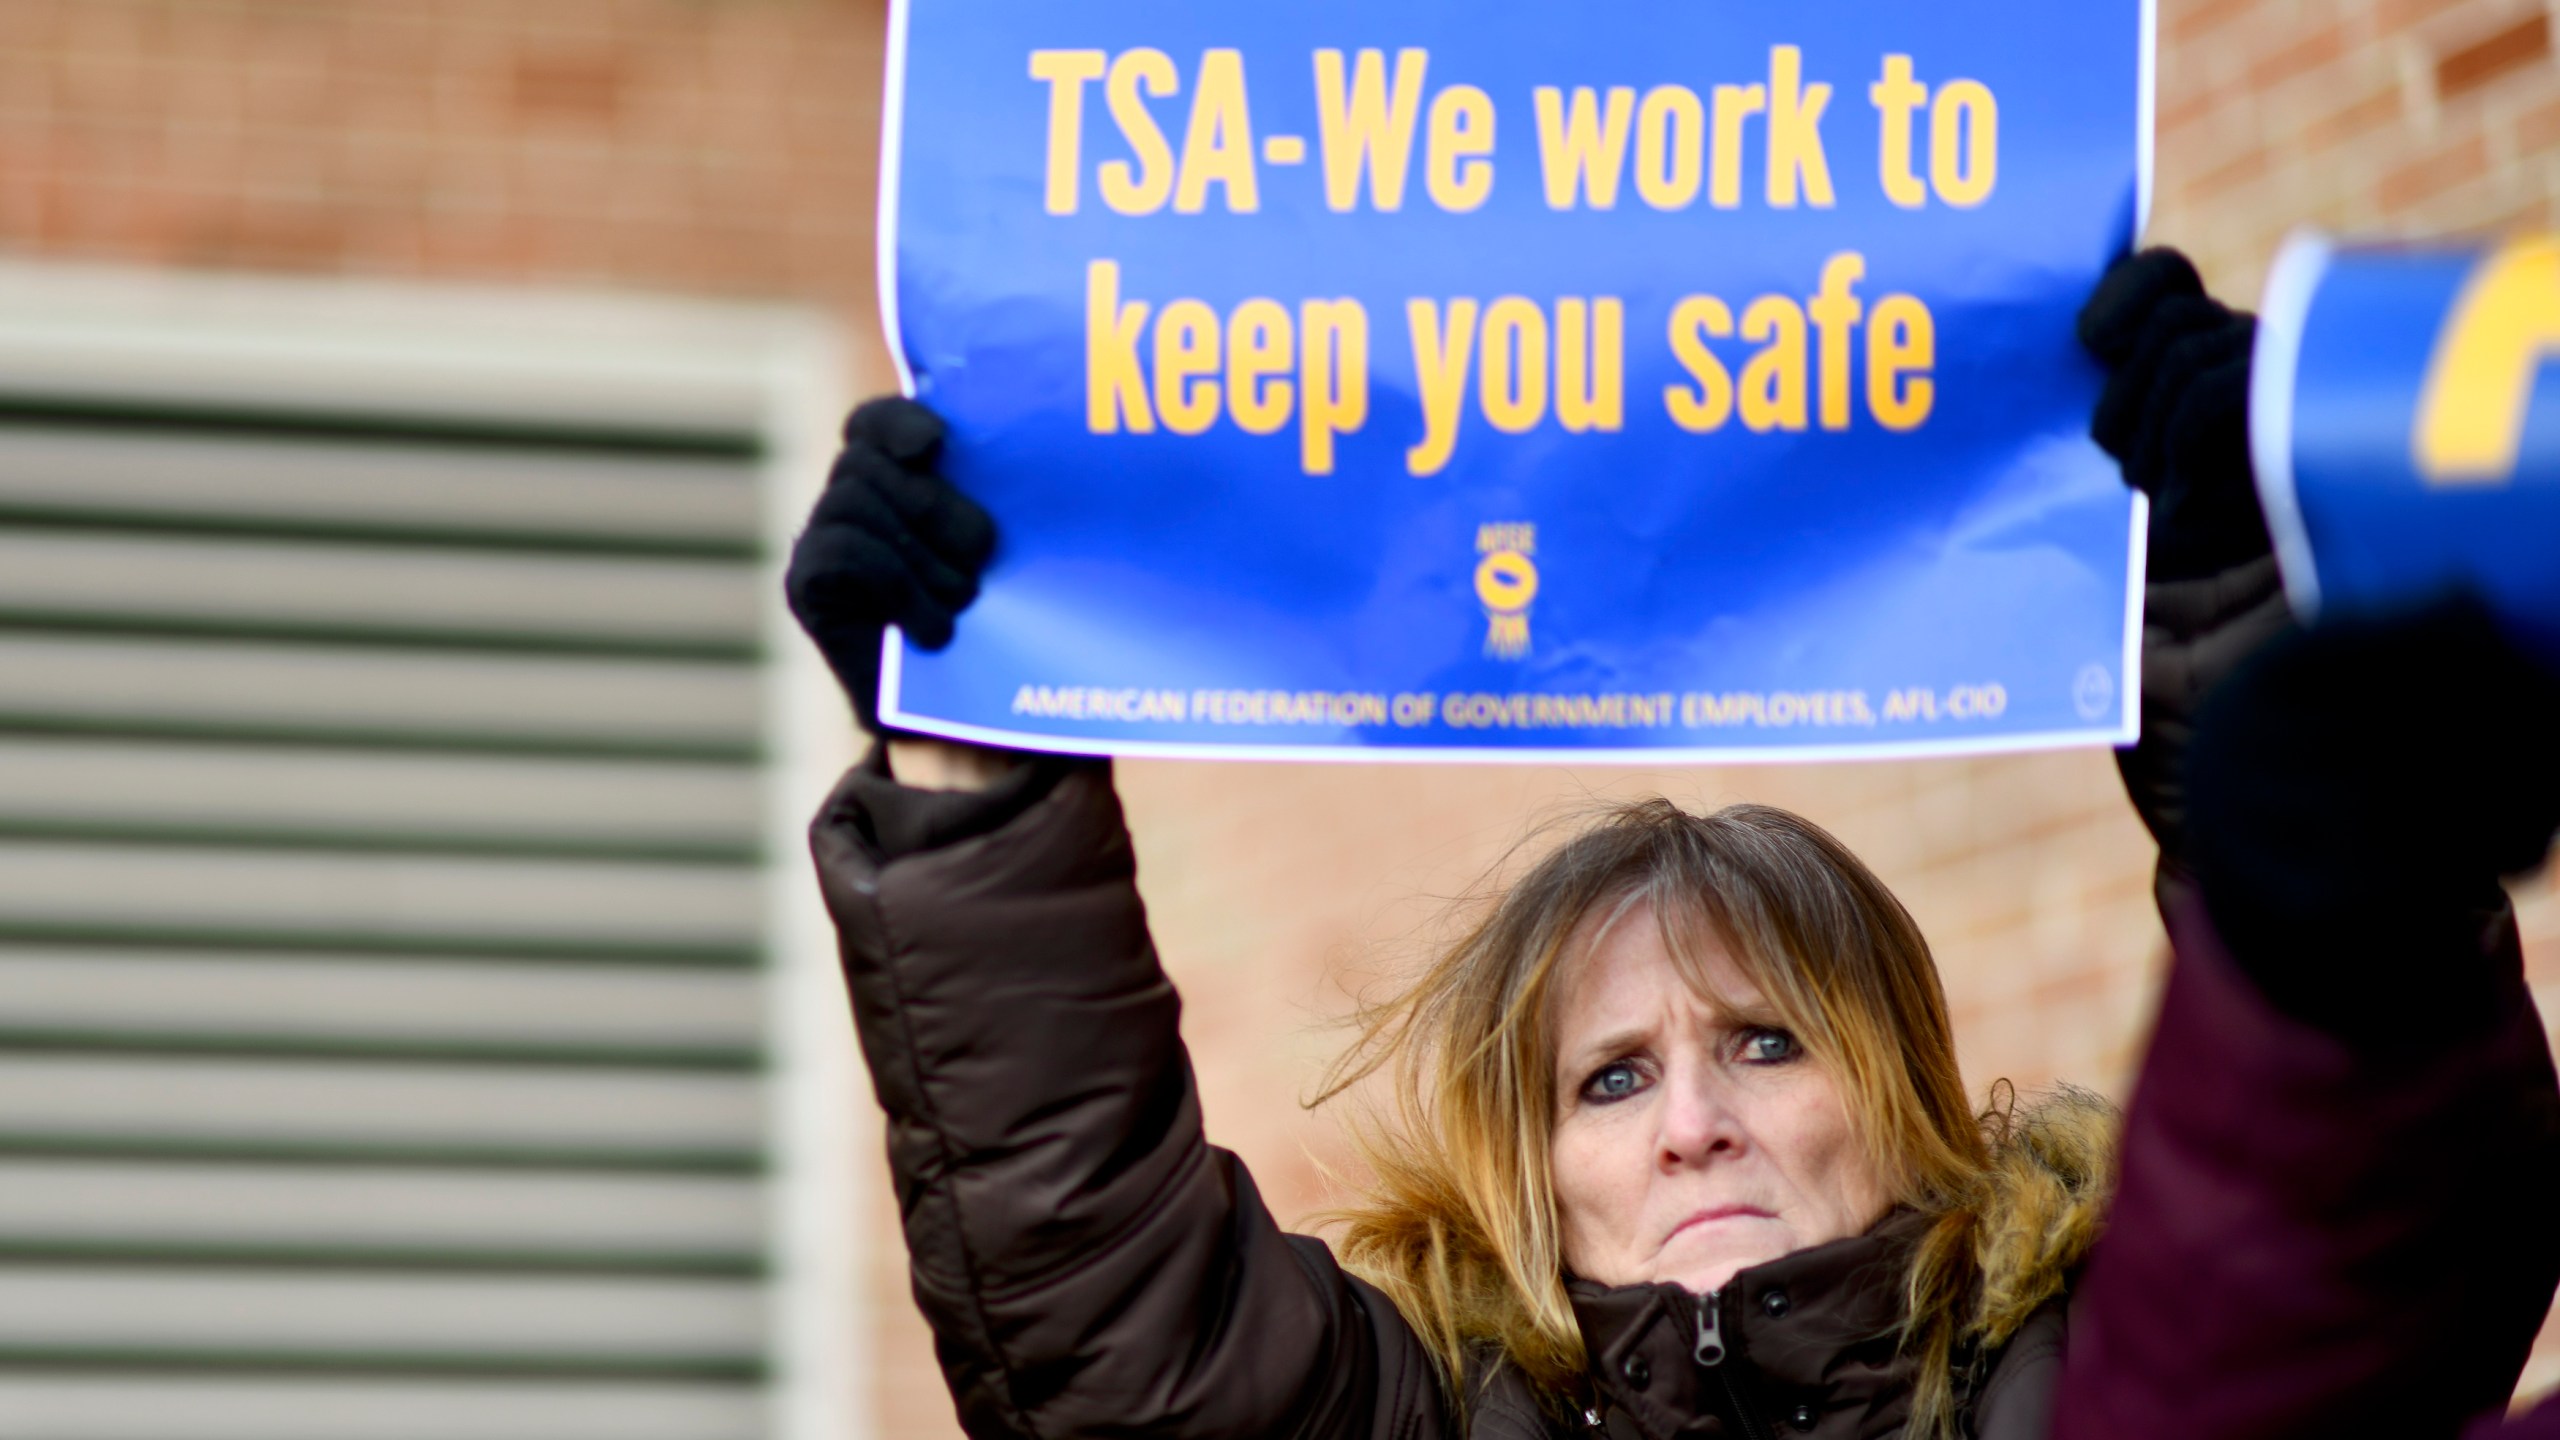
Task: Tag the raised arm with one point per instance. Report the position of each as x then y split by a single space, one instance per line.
2343 1151
1090 1264
2344 1143
2174 414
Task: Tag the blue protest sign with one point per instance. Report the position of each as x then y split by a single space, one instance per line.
2405 418
1499 380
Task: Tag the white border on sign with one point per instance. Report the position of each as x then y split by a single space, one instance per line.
893 108
893 644
2273 370
2129 673
2145 113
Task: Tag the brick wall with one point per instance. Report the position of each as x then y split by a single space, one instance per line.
710 148
2400 117
726 149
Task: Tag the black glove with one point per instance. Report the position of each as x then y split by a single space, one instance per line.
2175 412
2357 789
891 542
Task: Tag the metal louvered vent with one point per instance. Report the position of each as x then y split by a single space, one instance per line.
397 975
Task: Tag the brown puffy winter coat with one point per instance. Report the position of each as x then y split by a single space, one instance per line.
1092 1266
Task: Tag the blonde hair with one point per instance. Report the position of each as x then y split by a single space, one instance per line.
1460 1227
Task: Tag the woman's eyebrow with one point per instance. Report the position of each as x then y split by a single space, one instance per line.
1727 1013
1759 1015
1612 1044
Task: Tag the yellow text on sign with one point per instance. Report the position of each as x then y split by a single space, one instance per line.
1803 367
1523 366
1964 138
1258 364
2479 385
1584 137
1368 114
1677 145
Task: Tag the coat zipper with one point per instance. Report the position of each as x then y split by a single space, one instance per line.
1710 1330
1710 1356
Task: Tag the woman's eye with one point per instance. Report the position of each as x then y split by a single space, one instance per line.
1614 1081
1770 1047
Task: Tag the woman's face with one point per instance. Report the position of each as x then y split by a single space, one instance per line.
1692 1139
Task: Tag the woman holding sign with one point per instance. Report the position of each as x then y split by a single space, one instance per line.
1683 1148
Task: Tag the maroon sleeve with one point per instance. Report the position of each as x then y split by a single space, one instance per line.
2317 1239
2542 1422
1090 1264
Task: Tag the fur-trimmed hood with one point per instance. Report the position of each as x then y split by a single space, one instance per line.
2052 1175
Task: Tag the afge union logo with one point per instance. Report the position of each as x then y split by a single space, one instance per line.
1506 584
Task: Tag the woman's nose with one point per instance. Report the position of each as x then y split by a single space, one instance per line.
1697 1122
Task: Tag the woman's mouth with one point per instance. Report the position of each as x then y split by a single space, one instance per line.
1715 1213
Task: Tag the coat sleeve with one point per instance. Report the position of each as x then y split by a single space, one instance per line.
1090 1265
2317 1238
2311 1235
2194 632
2017 1396
2542 1422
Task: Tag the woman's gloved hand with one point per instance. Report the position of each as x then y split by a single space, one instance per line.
2175 412
891 542
2356 791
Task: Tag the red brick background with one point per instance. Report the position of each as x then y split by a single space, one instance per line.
726 149
2400 117
706 148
